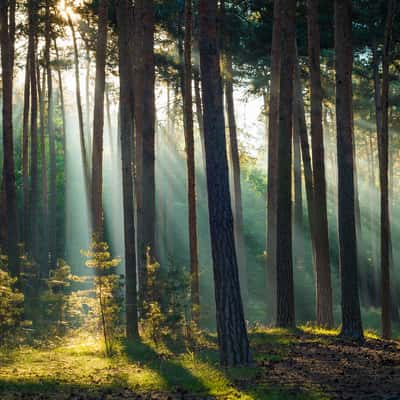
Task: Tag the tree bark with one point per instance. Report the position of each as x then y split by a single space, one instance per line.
284 264
52 147
324 307
237 190
231 328
273 124
125 14
98 122
33 240
190 163
351 314
7 41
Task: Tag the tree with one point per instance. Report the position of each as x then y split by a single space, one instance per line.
33 195
324 306
125 16
7 41
98 121
351 314
145 134
382 111
231 328
190 162
285 316
272 159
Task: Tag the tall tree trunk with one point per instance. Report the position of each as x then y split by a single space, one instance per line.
7 41
44 249
25 154
33 196
88 105
84 153
237 190
383 141
52 147
98 122
145 135
125 14
231 328
351 314
272 162
324 307
284 265
190 162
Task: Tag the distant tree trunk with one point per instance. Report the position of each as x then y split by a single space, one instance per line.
98 122
190 162
298 198
284 265
301 126
25 154
84 154
145 135
44 248
7 41
351 314
237 190
383 142
231 328
324 307
199 112
52 147
33 197
272 161
125 14
88 105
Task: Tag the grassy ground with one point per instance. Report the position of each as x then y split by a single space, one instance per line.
287 365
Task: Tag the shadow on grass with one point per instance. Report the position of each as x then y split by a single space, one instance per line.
176 377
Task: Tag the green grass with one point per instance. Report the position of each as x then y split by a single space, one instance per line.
79 365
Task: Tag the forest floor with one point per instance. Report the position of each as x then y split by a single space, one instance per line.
305 364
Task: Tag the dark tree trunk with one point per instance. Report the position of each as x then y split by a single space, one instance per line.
44 249
25 155
190 162
145 135
7 41
237 190
351 314
284 265
52 147
324 307
98 122
84 154
33 196
126 120
232 335
382 109
272 162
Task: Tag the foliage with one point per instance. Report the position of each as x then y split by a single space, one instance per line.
107 289
11 301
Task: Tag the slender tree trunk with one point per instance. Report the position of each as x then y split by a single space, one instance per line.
25 154
231 328
7 40
88 105
52 147
145 135
272 162
383 141
33 196
190 162
44 248
98 122
324 307
126 98
284 265
237 190
84 153
351 314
